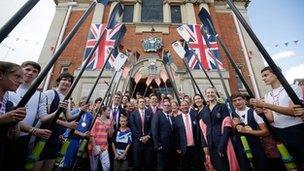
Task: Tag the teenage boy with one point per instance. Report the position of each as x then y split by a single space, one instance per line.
35 110
54 101
252 127
279 111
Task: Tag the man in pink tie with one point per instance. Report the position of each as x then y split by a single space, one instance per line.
140 124
186 130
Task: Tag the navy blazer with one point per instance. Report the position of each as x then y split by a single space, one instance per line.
162 131
135 124
180 134
213 120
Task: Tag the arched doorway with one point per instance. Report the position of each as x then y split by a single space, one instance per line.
144 69
143 89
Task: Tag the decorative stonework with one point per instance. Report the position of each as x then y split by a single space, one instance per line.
152 43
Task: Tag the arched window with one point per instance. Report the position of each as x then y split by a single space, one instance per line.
152 11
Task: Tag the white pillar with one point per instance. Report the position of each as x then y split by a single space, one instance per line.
98 14
184 14
60 38
137 12
247 60
190 13
167 12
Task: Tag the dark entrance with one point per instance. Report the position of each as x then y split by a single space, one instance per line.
141 87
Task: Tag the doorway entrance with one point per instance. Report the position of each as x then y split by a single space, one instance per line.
144 90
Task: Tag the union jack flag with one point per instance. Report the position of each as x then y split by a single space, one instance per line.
198 44
107 43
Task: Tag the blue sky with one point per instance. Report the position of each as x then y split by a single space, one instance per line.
276 22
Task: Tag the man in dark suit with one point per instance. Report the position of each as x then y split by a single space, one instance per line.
140 123
187 137
162 133
153 108
116 110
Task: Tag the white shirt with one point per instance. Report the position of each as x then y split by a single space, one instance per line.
244 113
51 95
35 107
279 97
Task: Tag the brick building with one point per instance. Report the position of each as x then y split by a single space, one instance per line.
169 14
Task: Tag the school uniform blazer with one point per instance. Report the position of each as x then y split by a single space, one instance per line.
180 132
162 131
213 120
135 124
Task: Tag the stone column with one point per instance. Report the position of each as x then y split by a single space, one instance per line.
190 13
98 14
184 13
167 12
137 12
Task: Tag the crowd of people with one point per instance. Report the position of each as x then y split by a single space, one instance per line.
147 133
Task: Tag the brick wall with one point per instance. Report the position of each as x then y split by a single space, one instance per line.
73 54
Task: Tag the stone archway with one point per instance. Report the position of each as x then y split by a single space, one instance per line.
142 68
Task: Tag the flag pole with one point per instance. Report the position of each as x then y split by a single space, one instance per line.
131 71
192 82
191 76
171 72
119 80
170 78
109 98
166 88
17 17
134 90
108 92
229 56
170 68
146 90
206 74
295 99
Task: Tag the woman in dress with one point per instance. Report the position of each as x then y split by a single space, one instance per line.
216 132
